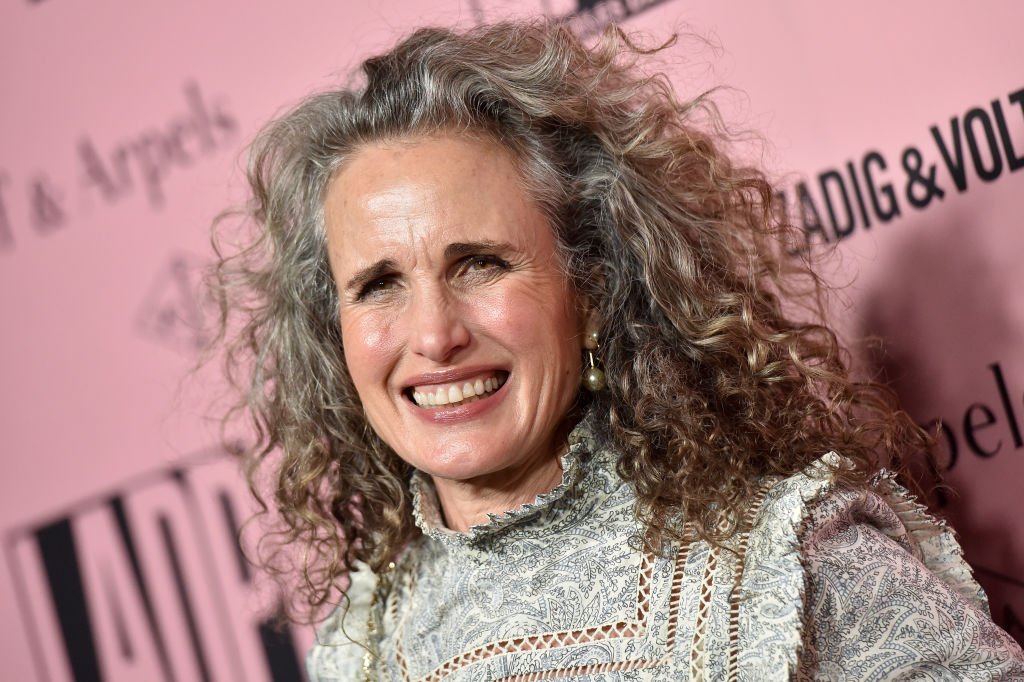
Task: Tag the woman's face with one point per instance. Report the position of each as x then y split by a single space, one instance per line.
461 332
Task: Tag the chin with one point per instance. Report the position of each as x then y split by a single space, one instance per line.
462 466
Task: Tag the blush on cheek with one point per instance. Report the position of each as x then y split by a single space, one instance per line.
367 338
514 314
373 338
511 310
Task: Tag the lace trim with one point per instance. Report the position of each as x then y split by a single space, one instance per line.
779 576
698 650
677 591
622 629
703 605
936 543
732 661
593 669
643 601
773 529
638 627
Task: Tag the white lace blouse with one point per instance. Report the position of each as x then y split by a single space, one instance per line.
828 584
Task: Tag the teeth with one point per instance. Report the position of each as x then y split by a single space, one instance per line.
455 394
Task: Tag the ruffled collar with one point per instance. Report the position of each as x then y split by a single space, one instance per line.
575 463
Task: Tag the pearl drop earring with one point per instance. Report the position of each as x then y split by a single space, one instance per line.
593 376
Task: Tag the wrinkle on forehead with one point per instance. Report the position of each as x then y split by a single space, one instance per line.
407 201
407 220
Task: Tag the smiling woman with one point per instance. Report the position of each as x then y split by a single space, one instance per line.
452 281
440 259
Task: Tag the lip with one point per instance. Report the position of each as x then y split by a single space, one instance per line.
459 413
447 376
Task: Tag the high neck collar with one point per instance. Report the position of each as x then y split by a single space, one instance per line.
537 516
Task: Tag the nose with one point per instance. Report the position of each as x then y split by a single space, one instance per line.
437 330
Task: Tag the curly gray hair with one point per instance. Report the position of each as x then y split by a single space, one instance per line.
711 385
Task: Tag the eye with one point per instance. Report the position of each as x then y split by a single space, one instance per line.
482 264
377 287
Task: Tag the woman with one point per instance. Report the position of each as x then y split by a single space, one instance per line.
440 256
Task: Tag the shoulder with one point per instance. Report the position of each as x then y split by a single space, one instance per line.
342 639
809 515
863 580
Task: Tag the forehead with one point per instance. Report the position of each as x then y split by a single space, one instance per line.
424 193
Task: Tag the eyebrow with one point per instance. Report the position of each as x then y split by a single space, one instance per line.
368 274
459 249
454 250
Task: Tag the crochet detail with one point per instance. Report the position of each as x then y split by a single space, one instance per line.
707 585
735 596
562 593
541 642
638 627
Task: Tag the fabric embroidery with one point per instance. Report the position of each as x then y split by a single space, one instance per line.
826 584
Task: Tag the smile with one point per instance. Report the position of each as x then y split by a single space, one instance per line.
457 393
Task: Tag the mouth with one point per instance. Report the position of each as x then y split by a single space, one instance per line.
456 393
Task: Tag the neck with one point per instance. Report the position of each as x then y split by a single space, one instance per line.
467 503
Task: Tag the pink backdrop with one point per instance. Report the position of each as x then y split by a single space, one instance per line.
897 130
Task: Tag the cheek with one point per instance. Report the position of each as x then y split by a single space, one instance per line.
537 320
368 343
514 314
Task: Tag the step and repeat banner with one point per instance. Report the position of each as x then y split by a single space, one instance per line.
896 132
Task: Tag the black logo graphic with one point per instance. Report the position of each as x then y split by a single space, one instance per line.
148 583
980 417
873 189
589 17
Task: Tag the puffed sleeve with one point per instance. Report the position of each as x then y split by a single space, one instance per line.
888 596
338 653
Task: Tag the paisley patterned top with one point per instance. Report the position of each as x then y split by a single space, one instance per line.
828 584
